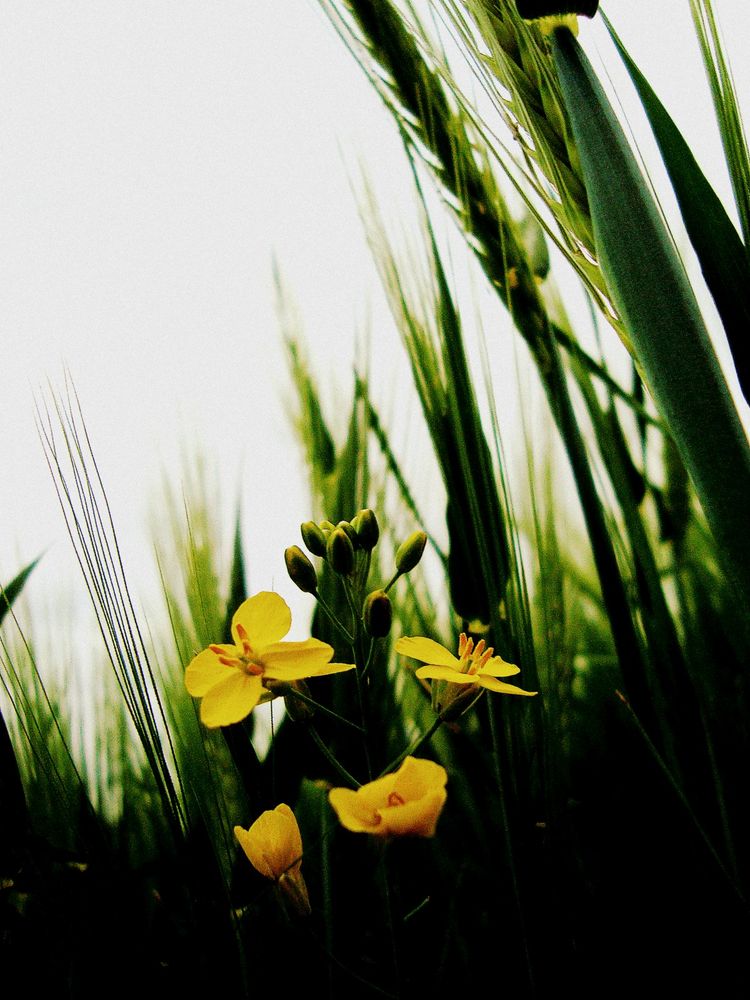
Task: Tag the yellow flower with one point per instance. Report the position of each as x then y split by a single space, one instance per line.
405 803
273 845
233 679
460 679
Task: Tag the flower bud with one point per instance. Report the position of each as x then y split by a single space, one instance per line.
410 552
314 538
366 525
297 709
326 526
340 552
377 614
352 534
301 571
273 846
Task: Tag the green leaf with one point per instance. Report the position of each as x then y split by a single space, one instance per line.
10 593
720 250
12 797
648 285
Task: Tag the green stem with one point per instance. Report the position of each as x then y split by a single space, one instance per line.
368 658
360 660
293 693
508 838
388 900
681 796
436 723
334 618
348 778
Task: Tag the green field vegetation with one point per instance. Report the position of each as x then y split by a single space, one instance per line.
592 837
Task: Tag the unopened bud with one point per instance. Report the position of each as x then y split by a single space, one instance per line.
340 552
297 708
326 526
313 537
410 552
377 614
366 525
301 571
352 534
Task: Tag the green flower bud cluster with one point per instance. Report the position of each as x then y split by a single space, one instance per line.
339 544
347 549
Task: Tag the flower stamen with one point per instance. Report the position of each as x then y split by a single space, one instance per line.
480 662
394 799
247 662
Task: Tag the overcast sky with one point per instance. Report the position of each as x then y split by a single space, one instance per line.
155 155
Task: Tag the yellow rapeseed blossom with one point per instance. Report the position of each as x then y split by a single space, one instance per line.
460 679
273 845
405 803
232 679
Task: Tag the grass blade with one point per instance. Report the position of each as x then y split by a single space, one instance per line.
651 291
715 240
14 588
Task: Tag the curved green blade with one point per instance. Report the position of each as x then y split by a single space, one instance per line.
10 593
720 250
651 292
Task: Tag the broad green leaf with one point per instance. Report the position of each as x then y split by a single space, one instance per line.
715 240
651 292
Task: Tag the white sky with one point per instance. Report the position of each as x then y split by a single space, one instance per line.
154 156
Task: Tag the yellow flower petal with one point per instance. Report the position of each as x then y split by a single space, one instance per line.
497 667
298 673
416 819
426 650
273 843
265 617
231 700
293 661
204 671
282 655
353 811
492 684
417 776
407 802
446 674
